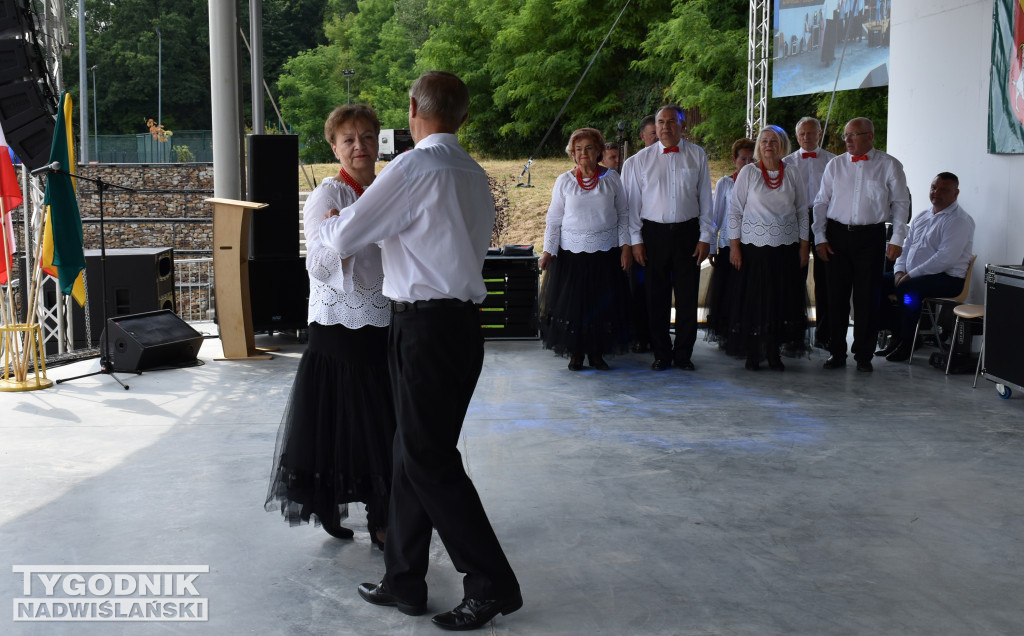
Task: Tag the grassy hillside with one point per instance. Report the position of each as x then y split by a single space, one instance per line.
528 206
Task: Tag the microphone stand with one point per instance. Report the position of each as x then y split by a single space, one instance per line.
106 364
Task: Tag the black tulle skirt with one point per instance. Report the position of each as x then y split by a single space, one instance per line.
719 299
769 300
584 304
334 443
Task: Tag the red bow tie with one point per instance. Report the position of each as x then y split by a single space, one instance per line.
859 158
812 155
672 149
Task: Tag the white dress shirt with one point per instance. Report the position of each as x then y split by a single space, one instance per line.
812 168
668 188
587 220
863 193
432 213
720 211
761 216
938 243
348 294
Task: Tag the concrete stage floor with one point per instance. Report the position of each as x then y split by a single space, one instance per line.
719 501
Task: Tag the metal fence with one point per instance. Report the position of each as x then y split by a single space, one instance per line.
193 287
183 146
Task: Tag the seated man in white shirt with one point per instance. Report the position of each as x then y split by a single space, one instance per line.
936 254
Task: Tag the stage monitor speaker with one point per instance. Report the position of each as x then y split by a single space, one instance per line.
278 293
139 279
29 121
150 340
271 180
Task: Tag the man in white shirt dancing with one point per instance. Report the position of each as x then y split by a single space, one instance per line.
860 190
432 213
933 264
668 188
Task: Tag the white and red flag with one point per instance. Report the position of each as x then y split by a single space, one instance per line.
10 198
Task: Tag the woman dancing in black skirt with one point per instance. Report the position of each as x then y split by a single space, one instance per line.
334 444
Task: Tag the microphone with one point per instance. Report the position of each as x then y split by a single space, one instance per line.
47 168
621 125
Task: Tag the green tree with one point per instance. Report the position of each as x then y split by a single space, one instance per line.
540 53
701 53
311 86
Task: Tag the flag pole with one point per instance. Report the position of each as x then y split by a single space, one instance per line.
32 310
8 316
6 307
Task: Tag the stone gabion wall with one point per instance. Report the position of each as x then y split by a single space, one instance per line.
166 209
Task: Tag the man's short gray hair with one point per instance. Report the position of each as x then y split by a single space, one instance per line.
863 122
809 120
442 96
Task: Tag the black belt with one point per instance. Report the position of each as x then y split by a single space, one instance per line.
670 225
849 227
399 306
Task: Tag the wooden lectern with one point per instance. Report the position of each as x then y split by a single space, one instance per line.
231 278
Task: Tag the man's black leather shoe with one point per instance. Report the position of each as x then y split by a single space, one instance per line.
660 365
379 595
834 363
473 613
685 365
865 366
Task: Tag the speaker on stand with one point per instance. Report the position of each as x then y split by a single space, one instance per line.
278 284
139 279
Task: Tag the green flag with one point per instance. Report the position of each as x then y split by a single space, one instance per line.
65 221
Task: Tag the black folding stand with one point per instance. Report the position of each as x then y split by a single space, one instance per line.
106 363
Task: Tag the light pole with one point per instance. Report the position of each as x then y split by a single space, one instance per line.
348 73
95 125
159 77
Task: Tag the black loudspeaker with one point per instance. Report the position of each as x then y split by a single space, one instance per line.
14 16
274 230
138 280
150 340
278 293
28 106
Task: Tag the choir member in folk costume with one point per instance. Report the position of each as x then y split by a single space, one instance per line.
719 298
584 300
334 445
811 159
860 191
768 245
668 189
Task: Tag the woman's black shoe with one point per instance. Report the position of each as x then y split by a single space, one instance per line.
338 531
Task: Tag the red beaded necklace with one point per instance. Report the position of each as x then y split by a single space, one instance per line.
588 183
352 183
772 183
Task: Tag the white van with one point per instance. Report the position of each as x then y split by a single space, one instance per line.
393 142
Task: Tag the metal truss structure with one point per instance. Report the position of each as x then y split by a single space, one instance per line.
757 65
